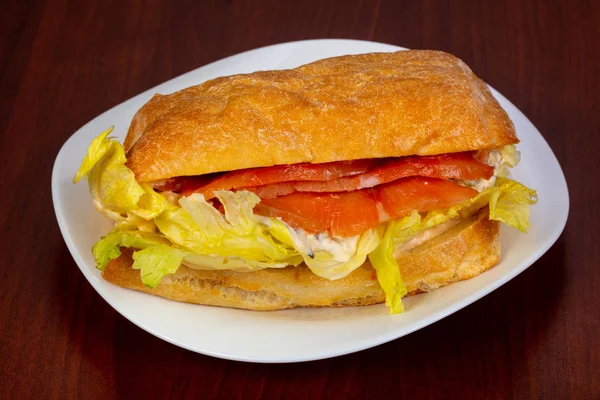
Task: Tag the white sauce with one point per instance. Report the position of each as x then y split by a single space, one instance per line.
496 160
341 249
171 197
480 184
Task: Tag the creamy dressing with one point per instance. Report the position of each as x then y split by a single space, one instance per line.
341 249
497 160
327 256
480 184
171 197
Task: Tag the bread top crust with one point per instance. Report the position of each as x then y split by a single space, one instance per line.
415 102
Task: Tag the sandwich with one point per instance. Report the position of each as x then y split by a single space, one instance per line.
349 181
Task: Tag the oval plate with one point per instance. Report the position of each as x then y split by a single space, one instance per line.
299 334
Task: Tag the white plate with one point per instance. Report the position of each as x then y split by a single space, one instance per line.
300 334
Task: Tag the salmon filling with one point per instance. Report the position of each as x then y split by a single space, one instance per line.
347 198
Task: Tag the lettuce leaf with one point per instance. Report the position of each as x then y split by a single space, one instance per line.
155 256
111 183
238 234
386 266
508 201
109 246
114 189
155 262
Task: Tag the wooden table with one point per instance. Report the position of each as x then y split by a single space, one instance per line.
64 62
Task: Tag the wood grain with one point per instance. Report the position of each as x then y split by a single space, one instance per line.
64 62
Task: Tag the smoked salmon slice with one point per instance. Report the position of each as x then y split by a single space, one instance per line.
342 213
352 213
279 173
447 166
344 176
401 197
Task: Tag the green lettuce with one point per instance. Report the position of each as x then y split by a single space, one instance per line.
114 189
384 262
239 234
155 255
111 183
508 201
155 262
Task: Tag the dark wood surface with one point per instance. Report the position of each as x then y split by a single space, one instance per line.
64 62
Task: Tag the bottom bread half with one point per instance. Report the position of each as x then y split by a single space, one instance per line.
467 249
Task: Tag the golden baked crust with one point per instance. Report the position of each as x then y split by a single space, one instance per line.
360 106
466 250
